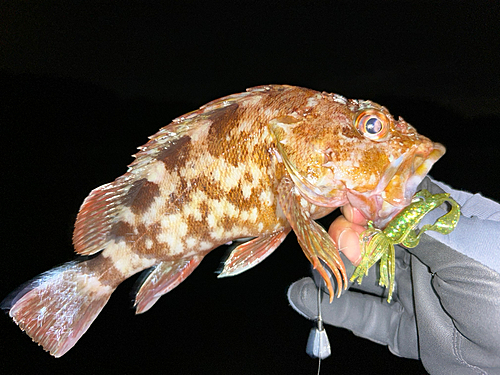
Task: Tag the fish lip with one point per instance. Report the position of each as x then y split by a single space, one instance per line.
420 161
421 165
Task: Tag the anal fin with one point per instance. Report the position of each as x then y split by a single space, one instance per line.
314 240
164 277
251 253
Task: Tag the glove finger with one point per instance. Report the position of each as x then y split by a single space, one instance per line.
370 283
365 315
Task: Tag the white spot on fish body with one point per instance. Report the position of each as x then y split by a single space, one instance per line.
191 209
198 197
211 220
233 176
372 180
124 260
218 233
253 215
170 183
216 174
202 129
245 125
236 231
204 245
217 207
182 229
313 101
127 216
244 215
172 231
229 209
256 172
191 242
251 100
156 172
150 216
266 197
93 284
246 189
170 223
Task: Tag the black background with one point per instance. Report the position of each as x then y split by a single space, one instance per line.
83 84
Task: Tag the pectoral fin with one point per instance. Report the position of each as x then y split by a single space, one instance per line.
251 253
314 240
161 280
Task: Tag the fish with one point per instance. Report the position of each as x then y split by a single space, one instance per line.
253 165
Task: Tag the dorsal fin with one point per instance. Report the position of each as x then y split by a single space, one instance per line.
96 217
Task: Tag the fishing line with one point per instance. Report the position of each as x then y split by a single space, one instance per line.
318 345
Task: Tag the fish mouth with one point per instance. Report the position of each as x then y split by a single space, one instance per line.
421 166
398 184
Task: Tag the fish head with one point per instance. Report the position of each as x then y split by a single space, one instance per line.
354 151
392 160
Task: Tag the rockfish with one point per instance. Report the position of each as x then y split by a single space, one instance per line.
251 165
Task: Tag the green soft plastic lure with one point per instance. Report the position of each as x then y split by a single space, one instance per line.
379 244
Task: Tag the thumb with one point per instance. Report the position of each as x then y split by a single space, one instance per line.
365 315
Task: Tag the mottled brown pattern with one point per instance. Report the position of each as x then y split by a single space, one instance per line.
105 269
176 154
181 196
150 234
237 133
223 122
247 176
141 195
121 231
235 196
287 103
204 209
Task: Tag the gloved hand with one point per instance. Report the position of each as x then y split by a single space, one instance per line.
446 304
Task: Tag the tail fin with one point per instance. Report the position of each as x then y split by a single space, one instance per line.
56 308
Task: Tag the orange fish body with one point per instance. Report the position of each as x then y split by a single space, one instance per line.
255 164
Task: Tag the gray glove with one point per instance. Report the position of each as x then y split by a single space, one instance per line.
446 304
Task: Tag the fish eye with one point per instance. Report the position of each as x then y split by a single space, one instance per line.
372 124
